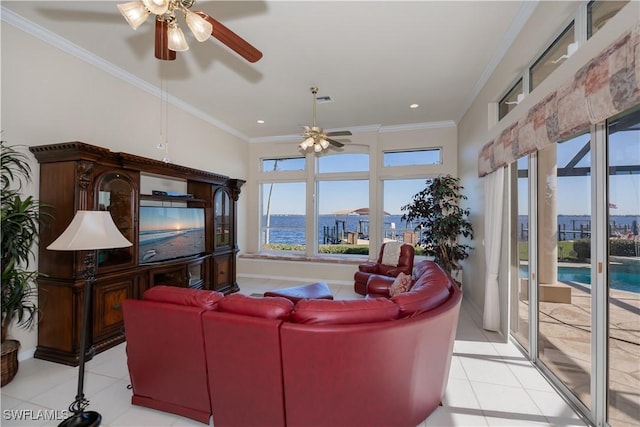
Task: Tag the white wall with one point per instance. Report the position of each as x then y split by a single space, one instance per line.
49 97
473 133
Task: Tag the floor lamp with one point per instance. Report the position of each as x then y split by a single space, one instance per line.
88 231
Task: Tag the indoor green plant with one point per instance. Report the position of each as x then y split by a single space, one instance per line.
440 221
20 217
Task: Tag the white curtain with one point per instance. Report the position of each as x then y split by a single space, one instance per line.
493 191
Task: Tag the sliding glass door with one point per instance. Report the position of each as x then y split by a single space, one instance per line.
575 299
564 295
519 324
623 267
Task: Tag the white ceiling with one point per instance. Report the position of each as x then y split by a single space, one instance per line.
373 58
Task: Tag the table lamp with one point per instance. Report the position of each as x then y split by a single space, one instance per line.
88 231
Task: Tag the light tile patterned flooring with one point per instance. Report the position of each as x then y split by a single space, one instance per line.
490 384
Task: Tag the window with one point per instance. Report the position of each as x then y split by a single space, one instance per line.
347 162
511 99
562 48
343 215
398 193
599 13
282 165
431 156
283 216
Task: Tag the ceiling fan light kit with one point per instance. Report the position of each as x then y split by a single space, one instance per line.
169 36
315 136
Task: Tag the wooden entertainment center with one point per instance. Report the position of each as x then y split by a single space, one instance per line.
78 176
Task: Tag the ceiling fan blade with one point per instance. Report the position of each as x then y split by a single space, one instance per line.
232 40
334 142
162 42
339 133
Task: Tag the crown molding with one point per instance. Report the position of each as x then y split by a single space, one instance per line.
73 49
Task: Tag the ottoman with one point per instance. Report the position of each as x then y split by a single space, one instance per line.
318 290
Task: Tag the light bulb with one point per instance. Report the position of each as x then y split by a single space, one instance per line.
317 148
176 38
134 12
159 7
324 143
200 28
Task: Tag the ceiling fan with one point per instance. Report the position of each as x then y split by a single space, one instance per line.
315 136
169 38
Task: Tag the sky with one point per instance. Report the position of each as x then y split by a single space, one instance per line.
574 192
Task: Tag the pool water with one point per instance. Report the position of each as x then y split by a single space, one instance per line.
621 277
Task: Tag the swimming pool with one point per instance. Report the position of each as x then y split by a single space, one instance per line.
621 277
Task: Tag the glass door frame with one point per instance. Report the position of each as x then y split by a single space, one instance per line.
599 147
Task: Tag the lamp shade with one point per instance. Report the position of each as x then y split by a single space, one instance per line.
200 28
134 12
176 40
90 230
159 7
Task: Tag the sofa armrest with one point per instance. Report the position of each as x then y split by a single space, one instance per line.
368 268
378 286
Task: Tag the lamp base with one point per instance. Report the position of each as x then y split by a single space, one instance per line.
82 419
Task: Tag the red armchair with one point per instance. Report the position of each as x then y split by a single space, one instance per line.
383 267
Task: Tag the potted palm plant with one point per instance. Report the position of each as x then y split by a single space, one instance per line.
20 219
440 221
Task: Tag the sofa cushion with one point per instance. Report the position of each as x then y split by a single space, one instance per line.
267 308
207 300
424 296
401 284
344 312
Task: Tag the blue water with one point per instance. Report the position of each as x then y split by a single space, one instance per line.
621 277
290 228
572 227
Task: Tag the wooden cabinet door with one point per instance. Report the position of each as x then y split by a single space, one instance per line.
116 191
222 272
107 308
197 274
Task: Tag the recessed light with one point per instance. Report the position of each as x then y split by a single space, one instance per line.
414 106
261 122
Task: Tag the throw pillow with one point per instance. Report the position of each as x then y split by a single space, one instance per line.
391 253
400 285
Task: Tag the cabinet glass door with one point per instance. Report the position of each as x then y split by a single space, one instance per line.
115 193
222 219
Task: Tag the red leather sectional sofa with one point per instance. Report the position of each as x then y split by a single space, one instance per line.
252 361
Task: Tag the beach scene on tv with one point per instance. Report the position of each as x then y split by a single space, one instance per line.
170 232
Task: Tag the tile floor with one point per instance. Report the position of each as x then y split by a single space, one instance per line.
490 384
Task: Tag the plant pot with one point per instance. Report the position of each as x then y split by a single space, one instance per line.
9 360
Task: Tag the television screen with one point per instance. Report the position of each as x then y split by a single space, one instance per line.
170 232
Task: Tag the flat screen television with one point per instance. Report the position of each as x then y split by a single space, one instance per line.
169 233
